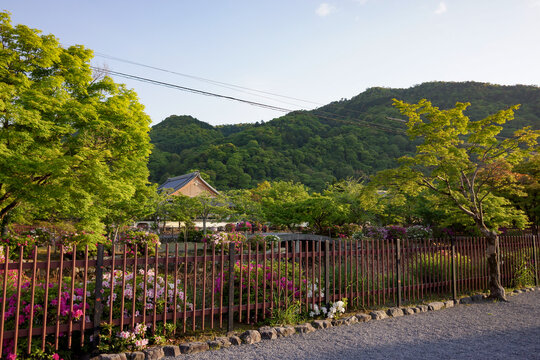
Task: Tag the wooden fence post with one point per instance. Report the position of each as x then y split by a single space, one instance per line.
98 304
398 271
454 272
535 258
327 272
230 320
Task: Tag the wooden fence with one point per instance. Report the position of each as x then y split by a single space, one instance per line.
63 299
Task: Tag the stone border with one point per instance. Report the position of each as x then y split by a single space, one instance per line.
271 333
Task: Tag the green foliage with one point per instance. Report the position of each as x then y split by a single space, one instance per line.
73 144
309 148
142 240
465 161
432 268
291 314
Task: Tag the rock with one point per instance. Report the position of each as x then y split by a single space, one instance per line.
363 317
345 321
321 324
193 347
407 311
422 308
153 353
304 328
268 333
223 341
137 355
250 337
449 304
478 298
416 310
436 305
171 350
465 300
516 291
234 340
378 315
110 357
394 312
284 331
213 344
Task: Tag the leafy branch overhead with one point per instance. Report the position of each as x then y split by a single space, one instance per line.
467 161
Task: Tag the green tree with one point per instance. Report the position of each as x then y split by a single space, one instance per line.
321 211
72 144
458 159
362 200
529 200
279 201
211 207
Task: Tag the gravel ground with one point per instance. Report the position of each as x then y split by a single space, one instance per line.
482 330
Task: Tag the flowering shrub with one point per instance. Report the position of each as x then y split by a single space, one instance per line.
244 226
263 242
14 242
155 296
280 277
343 231
223 239
371 232
336 310
142 239
419 232
396 232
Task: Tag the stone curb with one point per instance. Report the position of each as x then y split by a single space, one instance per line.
271 333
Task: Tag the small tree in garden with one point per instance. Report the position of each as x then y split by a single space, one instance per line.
461 161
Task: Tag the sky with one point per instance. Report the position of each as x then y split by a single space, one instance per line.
308 52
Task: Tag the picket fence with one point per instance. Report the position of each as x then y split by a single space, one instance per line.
74 293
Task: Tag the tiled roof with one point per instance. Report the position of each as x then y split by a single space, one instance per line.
178 182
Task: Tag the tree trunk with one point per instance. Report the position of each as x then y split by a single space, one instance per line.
492 252
204 226
4 225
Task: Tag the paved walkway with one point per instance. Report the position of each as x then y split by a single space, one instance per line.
477 331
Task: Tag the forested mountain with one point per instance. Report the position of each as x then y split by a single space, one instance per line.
342 139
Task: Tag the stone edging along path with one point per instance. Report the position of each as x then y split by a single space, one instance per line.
271 333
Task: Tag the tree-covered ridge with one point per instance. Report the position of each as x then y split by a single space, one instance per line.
347 138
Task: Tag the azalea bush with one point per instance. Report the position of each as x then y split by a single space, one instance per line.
141 239
419 232
223 239
277 276
244 226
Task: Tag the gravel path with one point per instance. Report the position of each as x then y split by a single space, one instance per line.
482 330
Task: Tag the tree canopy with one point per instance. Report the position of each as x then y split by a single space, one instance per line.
349 138
73 144
466 163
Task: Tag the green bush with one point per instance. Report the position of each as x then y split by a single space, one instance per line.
433 267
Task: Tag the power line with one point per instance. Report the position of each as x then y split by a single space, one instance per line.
258 104
210 81
235 87
191 90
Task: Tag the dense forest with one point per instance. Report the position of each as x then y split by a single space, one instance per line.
347 138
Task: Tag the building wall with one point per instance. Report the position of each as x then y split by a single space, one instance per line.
193 188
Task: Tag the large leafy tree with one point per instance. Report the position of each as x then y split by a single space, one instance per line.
460 160
279 201
72 145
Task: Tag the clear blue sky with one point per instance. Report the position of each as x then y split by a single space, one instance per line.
320 51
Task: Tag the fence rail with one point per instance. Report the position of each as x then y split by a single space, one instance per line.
63 301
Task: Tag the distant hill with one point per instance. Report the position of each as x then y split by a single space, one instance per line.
342 139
